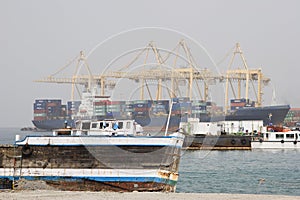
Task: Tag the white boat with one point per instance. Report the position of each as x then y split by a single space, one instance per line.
107 155
277 138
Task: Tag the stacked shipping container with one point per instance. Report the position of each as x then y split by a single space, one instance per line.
198 107
293 117
100 107
112 109
115 109
236 104
73 107
160 107
44 109
181 106
142 108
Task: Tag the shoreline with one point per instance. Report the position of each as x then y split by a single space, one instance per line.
73 195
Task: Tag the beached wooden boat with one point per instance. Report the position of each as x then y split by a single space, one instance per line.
108 155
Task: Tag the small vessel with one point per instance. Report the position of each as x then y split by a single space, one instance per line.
277 138
28 129
104 155
218 135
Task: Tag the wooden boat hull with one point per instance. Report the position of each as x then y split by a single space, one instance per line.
96 163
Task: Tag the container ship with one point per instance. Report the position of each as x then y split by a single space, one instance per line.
51 114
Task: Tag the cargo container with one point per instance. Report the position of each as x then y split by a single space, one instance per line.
73 105
39 118
239 100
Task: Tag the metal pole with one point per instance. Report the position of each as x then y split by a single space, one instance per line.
169 117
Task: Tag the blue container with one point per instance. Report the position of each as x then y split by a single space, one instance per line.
73 104
234 108
39 106
116 114
141 113
109 114
57 101
198 107
141 105
184 99
41 100
238 100
161 102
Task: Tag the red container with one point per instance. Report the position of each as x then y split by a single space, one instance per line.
115 102
39 118
240 104
142 109
176 112
39 111
99 103
53 104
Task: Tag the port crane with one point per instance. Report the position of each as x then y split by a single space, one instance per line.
243 74
164 70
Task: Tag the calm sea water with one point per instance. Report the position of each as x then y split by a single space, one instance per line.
244 172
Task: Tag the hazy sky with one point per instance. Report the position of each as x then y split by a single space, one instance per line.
39 37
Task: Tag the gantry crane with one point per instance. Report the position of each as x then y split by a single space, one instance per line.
164 73
244 74
160 72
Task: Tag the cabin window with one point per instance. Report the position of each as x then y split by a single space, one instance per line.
68 132
101 125
115 126
128 125
77 124
267 135
86 125
290 136
94 125
120 125
279 136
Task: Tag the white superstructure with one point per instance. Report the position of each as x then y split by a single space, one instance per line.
274 138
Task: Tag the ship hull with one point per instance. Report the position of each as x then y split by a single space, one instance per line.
50 124
218 142
275 145
269 114
95 163
103 180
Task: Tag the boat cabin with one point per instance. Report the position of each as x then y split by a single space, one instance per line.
102 127
280 134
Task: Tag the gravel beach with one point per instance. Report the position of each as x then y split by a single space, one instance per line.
71 195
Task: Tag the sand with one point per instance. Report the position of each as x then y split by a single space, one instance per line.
70 195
